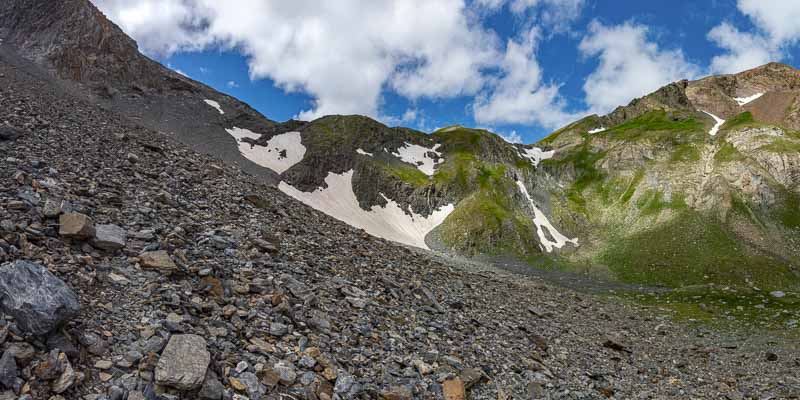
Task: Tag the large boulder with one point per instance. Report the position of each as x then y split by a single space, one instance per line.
76 226
38 300
183 363
109 237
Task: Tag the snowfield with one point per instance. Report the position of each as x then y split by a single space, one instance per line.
719 121
390 222
214 104
597 130
556 239
744 100
281 153
419 156
536 155
363 153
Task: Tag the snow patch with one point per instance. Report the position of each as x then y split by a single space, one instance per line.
556 239
364 153
719 121
214 104
596 130
281 152
419 156
390 222
536 155
744 100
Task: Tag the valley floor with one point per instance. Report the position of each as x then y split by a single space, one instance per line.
290 301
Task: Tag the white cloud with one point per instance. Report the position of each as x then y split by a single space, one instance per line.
232 84
630 65
555 14
511 137
520 96
778 18
743 50
777 29
343 53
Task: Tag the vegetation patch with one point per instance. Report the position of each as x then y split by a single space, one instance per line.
685 152
740 121
653 202
407 173
781 145
656 125
693 249
728 153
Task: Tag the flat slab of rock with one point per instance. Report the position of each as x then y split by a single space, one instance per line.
38 300
159 260
453 389
183 363
109 237
75 225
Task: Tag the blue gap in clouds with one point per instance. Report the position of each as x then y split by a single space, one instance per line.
217 68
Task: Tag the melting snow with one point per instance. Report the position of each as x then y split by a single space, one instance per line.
216 105
596 130
744 100
281 152
362 152
540 220
419 156
536 155
390 222
719 121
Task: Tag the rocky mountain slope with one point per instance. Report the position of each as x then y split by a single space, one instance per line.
696 183
167 274
704 173
73 41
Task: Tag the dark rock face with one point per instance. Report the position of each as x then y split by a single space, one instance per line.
39 301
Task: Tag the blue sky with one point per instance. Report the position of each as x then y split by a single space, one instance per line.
521 68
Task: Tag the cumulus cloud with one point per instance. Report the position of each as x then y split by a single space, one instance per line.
343 53
555 14
232 84
630 65
520 96
743 50
776 30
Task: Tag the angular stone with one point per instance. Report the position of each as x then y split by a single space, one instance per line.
183 363
8 370
109 237
453 389
52 208
212 388
38 300
159 260
76 226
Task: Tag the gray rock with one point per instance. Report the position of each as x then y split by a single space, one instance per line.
286 373
183 363
8 133
212 388
254 388
109 237
278 329
52 208
38 300
8 370
777 294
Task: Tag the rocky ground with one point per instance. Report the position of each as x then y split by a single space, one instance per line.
135 268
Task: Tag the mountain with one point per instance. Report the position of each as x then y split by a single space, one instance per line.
695 183
698 182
